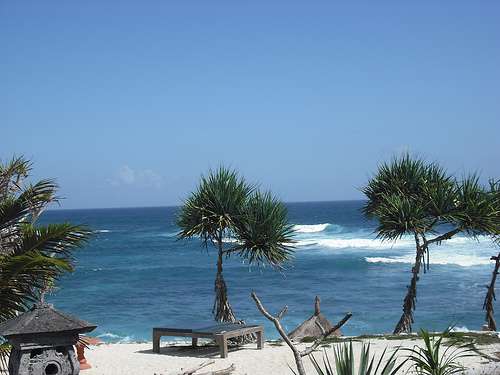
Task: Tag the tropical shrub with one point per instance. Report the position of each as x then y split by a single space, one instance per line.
235 218
431 359
344 359
32 256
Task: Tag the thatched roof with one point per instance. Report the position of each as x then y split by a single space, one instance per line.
43 318
310 327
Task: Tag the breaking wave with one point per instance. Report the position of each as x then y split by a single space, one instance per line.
345 243
310 228
111 337
443 259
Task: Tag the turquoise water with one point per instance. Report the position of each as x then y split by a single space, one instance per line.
135 274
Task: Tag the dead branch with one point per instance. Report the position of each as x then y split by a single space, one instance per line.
225 371
297 353
193 370
325 334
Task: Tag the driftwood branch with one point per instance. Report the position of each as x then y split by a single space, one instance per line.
194 370
296 352
225 371
282 313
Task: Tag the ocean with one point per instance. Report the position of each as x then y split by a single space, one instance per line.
134 274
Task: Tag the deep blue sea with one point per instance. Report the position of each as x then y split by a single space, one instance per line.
134 274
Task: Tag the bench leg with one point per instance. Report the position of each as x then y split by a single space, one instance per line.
260 339
156 342
222 342
194 342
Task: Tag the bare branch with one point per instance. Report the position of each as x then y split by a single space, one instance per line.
323 331
296 353
282 313
325 334
275 321
194 369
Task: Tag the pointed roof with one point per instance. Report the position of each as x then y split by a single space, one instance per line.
310 328
43 318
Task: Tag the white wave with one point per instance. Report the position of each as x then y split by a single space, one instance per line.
168 234
443 259
313 228
406 242
344 243
460 329
116 338
103 231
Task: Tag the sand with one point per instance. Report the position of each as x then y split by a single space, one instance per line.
138 359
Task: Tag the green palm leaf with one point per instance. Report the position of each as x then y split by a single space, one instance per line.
31 256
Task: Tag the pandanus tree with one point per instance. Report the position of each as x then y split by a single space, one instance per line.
490 295
409 196
235 218
32 256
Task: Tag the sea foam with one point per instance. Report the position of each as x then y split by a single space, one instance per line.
345 243
447 258
310 228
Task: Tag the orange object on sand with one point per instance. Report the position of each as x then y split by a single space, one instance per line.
80 350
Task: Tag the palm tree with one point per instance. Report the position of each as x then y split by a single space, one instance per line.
490 295
31 256
411 196
237 219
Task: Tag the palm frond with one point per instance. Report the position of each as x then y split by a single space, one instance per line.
264 234
22 277
54 239
215 207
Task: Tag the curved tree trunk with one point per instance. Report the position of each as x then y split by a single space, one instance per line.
406 320
222 309
490 296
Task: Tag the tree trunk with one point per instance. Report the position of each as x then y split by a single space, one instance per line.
404 324
490 296
222 309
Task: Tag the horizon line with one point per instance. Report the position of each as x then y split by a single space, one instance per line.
178 205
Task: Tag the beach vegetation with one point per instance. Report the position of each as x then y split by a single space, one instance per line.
32 256
237 219
344 362
409 196
298 354
435 358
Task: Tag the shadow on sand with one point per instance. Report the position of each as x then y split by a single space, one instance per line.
202 351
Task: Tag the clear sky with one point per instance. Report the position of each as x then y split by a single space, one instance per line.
126 103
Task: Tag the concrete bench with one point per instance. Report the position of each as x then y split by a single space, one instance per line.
220 333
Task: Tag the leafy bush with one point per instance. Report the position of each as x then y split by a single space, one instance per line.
344 362
431 359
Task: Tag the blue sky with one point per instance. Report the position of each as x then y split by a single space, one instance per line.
126 103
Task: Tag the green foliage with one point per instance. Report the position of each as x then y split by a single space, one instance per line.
344 359
431 359
409 195
226 211
216 208
264 234
31 256
225 207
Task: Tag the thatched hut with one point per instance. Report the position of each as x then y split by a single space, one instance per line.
310 328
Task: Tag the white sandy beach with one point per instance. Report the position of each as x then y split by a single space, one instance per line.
138 359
